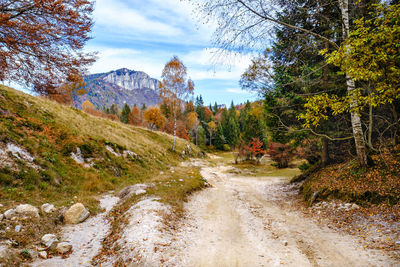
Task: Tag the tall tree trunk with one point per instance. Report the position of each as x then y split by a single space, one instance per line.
396 138
355 117
173 144
324 152
370 126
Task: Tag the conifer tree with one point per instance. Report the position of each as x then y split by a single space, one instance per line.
219 138
126 110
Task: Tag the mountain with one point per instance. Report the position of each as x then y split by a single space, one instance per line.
119 87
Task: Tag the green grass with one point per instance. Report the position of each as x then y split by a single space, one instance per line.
50 132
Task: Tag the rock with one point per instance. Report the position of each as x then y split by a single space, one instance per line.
18 228
76 213
355 206
3 251
1 205
136 189
49 241
43 254
64 247
397 243
48 208
10 213
1 217
128 153
140 192
27 211
285 243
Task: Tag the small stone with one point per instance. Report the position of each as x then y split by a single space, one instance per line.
140 192
49 241
18 228
180 180
285 243
48 208
1 205
10 213
398 243
76 213
1 217
27 211
355 206
64 247
43 254
3 251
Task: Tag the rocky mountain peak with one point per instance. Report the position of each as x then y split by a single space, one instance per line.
131 80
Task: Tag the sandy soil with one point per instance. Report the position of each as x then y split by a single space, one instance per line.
244 221
238 221
86 238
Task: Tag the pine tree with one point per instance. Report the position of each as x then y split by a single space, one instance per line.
200 108
126 110
201 137
219 138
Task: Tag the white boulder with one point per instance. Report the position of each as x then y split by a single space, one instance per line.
63 247
49 241
76 213
48 208
10 213
27 211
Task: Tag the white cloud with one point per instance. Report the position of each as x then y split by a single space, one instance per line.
238 91
216 63
120 16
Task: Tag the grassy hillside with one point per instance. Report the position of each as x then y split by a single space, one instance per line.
50 132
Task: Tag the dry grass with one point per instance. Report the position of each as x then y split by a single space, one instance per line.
50 132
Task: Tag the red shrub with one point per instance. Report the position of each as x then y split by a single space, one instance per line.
282 154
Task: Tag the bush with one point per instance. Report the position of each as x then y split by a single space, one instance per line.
282 154
304 166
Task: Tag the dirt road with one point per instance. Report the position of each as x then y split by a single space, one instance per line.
238 221
248 221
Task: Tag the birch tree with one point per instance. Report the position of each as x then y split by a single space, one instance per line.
175 88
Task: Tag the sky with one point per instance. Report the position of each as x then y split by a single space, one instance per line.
145 35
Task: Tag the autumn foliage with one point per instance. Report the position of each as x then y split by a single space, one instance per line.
135 117
282 154
154 118
41 42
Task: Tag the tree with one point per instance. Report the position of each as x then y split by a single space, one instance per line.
41 42
135 117
154 118
201 137
114 109
200 109
211 127
126 110
220 138
175 88
245 24
192 123
87 105
370 57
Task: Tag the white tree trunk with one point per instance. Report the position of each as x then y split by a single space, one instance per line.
355 117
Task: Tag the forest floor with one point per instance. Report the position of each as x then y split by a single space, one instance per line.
242 219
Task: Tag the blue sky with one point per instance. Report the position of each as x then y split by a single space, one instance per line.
144 35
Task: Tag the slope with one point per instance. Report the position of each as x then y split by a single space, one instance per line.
51 153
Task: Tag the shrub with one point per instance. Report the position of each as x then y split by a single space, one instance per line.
282 154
